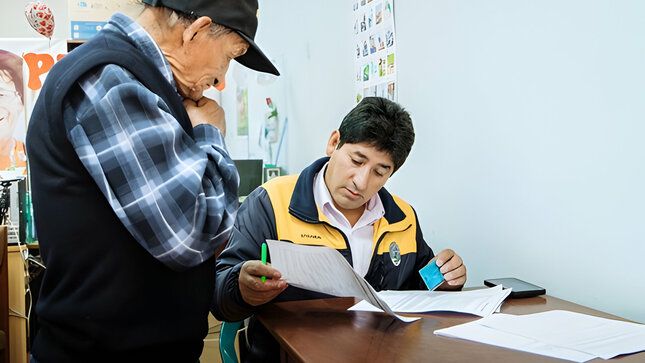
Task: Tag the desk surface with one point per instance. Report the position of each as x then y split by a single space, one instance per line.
16 285
324 331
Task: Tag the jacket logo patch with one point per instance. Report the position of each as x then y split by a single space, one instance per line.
304 235
395 253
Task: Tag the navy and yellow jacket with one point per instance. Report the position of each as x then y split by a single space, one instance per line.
284 209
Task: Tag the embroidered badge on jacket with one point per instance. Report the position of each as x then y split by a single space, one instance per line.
395 253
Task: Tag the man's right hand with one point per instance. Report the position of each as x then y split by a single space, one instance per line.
206 111
254 291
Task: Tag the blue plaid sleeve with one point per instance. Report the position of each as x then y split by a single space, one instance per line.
176 195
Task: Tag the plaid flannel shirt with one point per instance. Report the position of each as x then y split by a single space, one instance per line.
176 195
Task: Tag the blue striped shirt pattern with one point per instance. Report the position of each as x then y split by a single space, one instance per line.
175 194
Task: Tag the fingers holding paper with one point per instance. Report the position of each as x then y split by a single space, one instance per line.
253 290
453 269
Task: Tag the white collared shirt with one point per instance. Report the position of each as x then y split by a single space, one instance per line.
361 236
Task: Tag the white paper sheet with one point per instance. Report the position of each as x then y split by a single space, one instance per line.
555 333
604 338
477 331
325 270
481 302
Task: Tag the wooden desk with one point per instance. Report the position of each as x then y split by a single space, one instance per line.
4 297
324 331
17 291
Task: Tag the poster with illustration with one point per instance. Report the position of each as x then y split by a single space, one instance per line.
242 100
24 64
375 50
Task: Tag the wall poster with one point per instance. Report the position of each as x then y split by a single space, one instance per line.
375 49
24 64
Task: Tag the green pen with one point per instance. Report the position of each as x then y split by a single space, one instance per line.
264 258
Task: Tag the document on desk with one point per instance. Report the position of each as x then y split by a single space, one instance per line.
477 331
323 269
557 333
601 337
481 302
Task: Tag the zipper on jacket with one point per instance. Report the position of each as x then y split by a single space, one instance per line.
374 254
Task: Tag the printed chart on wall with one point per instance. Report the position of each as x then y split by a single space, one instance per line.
375 49
24 64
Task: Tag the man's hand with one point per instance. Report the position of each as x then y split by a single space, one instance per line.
453 270
206 111
254 291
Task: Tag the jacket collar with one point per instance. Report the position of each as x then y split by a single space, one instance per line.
303 205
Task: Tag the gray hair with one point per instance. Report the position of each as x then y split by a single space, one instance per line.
174 17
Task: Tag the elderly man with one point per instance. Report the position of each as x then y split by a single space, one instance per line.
133 188
338 201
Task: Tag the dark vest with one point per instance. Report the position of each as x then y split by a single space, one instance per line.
103 296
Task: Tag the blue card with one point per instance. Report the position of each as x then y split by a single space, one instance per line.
431 275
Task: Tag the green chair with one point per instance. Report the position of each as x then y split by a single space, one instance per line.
227 341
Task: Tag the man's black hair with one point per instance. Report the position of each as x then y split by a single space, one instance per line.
12 65
382 124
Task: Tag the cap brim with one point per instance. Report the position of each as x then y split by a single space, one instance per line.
255 59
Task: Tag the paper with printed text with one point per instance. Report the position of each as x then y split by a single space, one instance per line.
323 269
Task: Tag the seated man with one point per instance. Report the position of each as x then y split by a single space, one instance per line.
338 201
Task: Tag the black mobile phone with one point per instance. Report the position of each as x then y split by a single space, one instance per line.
519 288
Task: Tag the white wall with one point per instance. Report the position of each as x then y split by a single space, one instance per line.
529 116
13 23
312 40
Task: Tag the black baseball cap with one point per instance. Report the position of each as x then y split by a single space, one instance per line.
238 15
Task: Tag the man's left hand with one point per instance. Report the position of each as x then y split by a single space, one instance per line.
453 270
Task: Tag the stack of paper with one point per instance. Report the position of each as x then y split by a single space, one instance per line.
560 334
481 302
323 269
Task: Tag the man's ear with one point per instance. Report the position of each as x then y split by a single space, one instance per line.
191 31
334 139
